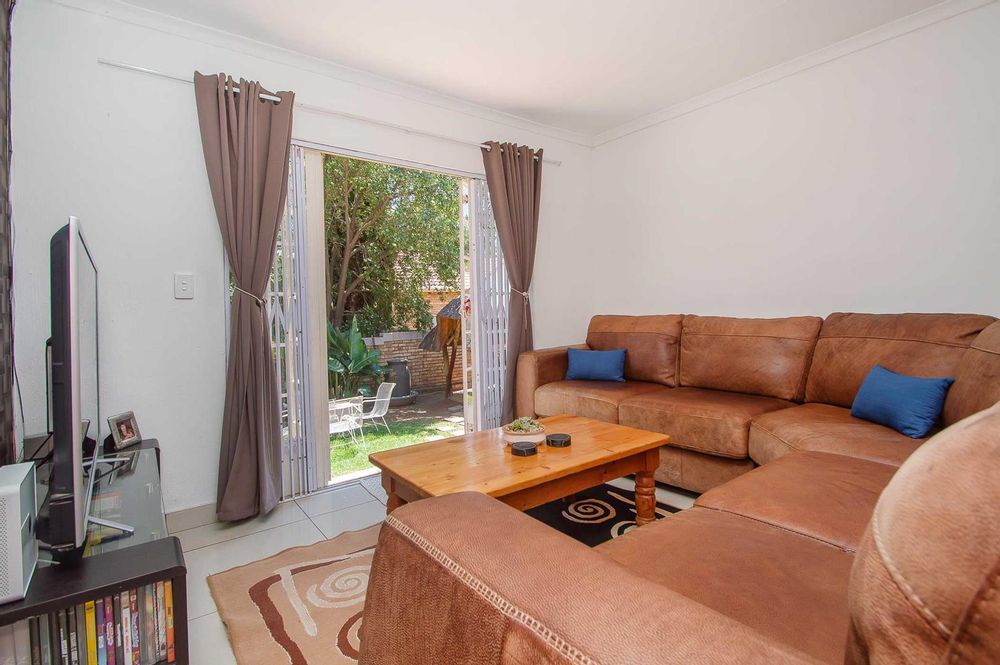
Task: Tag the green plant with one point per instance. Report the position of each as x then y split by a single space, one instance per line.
390 232
349 360
524 424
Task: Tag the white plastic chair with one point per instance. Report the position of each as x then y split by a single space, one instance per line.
346 416
380 406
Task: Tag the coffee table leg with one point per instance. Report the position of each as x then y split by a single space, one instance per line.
645 491
393 502
389 485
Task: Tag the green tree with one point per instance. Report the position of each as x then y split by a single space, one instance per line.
389 231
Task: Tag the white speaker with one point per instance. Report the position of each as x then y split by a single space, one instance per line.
18 547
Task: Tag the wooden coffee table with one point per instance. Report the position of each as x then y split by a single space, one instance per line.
482 462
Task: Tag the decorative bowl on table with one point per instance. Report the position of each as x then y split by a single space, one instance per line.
523 429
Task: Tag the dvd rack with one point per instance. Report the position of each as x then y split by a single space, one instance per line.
77 615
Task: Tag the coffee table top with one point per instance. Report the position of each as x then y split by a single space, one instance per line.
482 462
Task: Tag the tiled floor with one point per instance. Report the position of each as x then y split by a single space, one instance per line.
211 547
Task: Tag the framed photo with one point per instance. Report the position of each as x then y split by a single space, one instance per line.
124 430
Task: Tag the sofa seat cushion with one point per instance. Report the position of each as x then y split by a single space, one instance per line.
829 429
593 399
709 421
824 496
698 472
789 587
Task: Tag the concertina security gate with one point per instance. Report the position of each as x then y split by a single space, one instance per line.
287 315
490 298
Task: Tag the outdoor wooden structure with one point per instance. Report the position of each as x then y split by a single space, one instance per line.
446 337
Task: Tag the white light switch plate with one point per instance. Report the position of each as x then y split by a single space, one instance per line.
183 285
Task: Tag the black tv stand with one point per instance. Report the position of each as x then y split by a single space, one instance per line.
110 563
125 529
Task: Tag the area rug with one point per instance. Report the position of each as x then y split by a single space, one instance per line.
595 515
304 605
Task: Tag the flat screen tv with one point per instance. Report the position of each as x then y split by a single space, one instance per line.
75 403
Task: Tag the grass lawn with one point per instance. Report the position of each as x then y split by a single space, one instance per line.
345 457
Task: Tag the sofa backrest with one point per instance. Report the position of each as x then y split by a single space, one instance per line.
977 379
650 342
925 579
928 345
758 356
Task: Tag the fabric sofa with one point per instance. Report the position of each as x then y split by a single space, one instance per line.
815 557
736 393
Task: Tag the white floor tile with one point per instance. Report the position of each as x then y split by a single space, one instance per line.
374 486
190 518
663 495
218 532
208 643
225 555
675 499
350 519
330 500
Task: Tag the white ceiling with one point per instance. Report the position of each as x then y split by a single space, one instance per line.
580 65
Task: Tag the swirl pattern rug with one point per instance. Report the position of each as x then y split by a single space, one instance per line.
596 515
304 605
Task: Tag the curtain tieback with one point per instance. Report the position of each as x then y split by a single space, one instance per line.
260 302
523 294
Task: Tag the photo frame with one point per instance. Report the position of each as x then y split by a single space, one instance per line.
124 430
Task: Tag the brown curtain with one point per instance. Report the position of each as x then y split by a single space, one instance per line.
247 142
7 439
514 176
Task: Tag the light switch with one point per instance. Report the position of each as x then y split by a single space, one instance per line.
183 285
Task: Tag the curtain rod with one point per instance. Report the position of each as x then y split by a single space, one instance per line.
316 109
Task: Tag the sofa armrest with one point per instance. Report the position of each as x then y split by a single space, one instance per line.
534 369
465 578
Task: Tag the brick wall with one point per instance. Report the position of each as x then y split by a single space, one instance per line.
436 300
427 368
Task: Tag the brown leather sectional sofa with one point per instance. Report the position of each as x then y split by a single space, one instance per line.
734 393
838 549
793 562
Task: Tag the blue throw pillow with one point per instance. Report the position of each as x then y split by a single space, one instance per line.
908 404
596 365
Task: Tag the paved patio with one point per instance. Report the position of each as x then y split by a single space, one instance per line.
426 406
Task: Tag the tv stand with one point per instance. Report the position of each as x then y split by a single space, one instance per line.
97 521
113 461
111 564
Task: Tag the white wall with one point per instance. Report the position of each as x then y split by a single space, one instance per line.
869 183
122 151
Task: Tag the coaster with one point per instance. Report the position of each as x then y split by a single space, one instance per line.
524 448
558 440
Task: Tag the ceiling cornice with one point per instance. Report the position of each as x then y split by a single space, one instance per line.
126 13
121 11
873 37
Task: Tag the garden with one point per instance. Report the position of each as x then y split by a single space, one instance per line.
392 245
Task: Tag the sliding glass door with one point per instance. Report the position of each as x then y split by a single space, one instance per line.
436 316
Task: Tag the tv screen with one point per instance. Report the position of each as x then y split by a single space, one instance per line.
75 386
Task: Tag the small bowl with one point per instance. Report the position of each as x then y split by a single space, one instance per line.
513 437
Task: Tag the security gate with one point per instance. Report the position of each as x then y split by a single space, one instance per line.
287 318
490 296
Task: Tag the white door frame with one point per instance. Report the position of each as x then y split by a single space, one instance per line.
313 285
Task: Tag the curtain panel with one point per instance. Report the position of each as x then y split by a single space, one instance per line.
247 140
8 445
514 178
